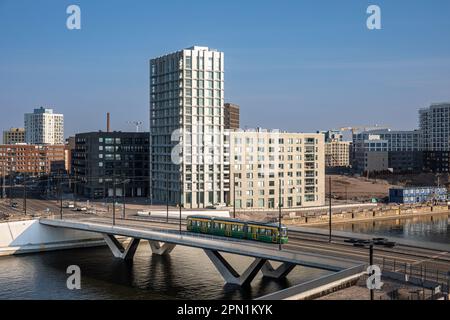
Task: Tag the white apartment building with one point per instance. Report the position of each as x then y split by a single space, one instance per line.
264 162
189 147
44 127
435 127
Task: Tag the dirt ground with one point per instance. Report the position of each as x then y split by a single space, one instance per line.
357 188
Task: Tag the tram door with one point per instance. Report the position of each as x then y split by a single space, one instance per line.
228 230
254 233
203 227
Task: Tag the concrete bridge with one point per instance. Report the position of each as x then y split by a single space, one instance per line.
163 241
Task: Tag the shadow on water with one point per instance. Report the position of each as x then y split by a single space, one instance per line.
185 274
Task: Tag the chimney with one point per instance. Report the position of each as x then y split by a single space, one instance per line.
108 123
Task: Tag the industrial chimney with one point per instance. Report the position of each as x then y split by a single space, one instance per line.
108 122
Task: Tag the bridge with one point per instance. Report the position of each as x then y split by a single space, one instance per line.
163 241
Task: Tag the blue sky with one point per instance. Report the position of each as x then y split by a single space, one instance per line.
293 65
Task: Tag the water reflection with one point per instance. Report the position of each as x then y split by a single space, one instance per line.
185 274
425 228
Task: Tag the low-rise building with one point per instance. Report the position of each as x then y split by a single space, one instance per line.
265 163
14 136
31 160
412 195
104 162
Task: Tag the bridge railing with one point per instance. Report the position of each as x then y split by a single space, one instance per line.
419 274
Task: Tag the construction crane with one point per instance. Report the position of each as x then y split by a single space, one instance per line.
136 123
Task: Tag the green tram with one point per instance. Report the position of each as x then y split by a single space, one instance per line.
233 228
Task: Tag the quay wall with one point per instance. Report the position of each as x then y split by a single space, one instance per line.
377 213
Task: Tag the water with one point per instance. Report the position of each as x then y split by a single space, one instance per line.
186 274
426 228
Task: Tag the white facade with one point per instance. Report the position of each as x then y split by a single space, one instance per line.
264 162
44 127
189 147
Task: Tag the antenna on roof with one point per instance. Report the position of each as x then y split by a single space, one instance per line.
136 123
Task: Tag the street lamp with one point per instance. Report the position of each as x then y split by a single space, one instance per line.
234 195
279 214
369 244
125 181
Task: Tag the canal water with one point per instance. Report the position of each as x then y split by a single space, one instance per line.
186 274
426 228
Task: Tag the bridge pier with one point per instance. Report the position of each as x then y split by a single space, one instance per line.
161 249
230 275
117 248
281 272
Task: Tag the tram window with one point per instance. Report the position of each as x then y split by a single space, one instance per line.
222 226
209 225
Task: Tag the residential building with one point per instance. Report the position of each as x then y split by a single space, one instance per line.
32 160
104 161
189 145
435 127
435 139
412 195
231 116
263 162
14 135
337 154
44 127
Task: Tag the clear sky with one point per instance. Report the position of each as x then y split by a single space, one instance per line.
294 65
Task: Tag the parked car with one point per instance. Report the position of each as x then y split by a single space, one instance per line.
14 205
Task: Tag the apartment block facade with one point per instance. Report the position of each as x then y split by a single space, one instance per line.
104 161
337 154
32 160
44 127
435 127
189 146
14 135
265 162
232 116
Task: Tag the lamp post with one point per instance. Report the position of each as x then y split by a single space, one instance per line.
234 195
114 201
25 197
369 244
61 198
167 199
279 214
329 210
124 182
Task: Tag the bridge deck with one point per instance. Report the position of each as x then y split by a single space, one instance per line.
234 246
